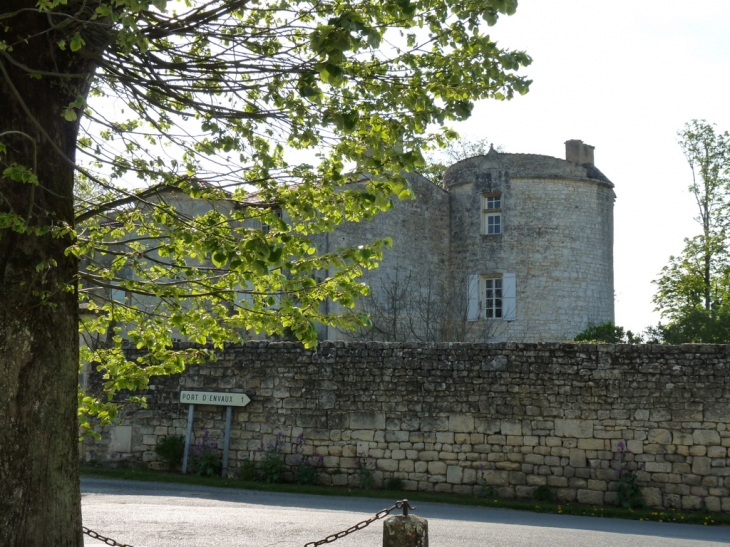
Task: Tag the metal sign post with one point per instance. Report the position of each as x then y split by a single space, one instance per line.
226 441
229 400
191 410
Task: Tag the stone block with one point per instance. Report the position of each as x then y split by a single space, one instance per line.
592 444
387 464
445 437
566 495
149 439
717 412
701 466
590 497
437 468
697 450
597 485
706 437
635 447
461 423
691 503
362 435
579 429
511 427
660 415
435 423
577 457
487 426
396 436
716 452
496 478
658 467
659 436
681 438
515 440
454 474
517 477
367 420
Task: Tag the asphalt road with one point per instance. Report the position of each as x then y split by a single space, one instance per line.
146 514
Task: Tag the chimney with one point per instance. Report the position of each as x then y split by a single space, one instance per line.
577 152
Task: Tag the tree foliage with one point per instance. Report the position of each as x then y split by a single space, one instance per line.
216 102
693 291
460 149
608 333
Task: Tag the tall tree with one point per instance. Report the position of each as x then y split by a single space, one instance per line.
207 100
694 288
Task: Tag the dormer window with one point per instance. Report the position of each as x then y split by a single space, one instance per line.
492 214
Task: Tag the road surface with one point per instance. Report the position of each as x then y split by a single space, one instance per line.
145 514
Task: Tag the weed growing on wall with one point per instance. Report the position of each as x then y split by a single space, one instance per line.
306 467
395 483
205 457
171 450
485 491
543 493
629 494
272 465
366 473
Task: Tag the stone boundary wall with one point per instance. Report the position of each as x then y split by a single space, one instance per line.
450 417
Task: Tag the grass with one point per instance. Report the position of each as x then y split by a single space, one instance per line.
686 517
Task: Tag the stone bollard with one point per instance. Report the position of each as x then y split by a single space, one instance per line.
405 530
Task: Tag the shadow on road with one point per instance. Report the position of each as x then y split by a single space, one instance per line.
198 495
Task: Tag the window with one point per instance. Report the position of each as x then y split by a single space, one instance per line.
492 214
492 297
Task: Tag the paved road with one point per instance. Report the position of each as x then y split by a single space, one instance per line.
171 515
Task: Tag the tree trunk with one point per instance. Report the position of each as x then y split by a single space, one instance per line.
39 484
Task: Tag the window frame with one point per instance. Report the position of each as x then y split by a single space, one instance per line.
496 310
491 212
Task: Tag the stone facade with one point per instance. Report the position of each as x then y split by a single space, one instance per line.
451 417
554 247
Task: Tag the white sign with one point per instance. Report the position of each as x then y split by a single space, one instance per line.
214 398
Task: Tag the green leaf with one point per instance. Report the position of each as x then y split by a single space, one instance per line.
77 42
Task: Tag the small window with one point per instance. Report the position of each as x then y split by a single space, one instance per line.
493 298
492 214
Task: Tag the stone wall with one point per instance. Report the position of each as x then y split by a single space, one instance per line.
448 417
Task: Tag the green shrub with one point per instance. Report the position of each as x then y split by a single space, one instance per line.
628 494
366 475
308 470
608 333
543 493
207 464
171 449
272 466
204 456
484 490
395 483
248 471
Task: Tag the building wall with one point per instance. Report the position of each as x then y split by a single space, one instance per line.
557 237
452 417
419 230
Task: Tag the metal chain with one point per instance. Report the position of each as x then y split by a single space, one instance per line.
403 504
108 541
360 525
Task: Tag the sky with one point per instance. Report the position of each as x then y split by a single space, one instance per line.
623 76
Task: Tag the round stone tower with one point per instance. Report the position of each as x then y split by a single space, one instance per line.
532 238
